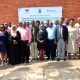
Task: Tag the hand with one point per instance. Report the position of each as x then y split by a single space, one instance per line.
1 43
66 42
41 41
55 42
28 44
15 42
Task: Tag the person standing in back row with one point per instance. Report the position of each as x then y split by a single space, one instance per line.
51 30
62 39
26 37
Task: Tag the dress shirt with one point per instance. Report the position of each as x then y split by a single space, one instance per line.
51 32
26 34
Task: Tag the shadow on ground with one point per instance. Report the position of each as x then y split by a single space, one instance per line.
57 65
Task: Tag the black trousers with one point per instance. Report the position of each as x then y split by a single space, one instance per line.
25 49
51 49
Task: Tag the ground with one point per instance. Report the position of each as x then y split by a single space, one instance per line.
46 70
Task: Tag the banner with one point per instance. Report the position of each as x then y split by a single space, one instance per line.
39 13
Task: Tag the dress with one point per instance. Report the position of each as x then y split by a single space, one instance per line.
42 39
14 55
3 41
72 45
78 36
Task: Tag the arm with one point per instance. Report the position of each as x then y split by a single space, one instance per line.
56 34
30 35
10 40
66 32
19 36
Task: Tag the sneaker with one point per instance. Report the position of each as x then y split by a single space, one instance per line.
58 59
2 65
6 64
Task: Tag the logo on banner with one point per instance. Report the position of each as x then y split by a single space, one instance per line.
26 11
39 11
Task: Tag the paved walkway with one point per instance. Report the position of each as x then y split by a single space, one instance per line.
47 70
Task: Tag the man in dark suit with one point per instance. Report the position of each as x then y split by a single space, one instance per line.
62 39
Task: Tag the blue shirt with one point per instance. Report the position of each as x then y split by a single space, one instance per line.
51 32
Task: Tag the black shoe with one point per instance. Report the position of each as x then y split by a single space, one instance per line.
48 58
58 59
52 58
64 59
27 61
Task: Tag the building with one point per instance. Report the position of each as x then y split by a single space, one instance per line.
9 8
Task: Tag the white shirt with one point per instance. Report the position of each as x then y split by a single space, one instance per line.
19 29
51 32
60 32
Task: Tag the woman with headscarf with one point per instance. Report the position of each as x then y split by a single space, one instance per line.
14 40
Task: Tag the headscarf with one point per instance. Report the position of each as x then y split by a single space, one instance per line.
13 33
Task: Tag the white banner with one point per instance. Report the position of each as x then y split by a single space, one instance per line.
39 13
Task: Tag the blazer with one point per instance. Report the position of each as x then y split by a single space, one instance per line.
64 33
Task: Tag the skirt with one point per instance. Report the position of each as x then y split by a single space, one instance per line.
41 45
3 48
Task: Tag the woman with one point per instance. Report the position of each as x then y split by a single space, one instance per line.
41 45
78 38
3 45
72 46
14 40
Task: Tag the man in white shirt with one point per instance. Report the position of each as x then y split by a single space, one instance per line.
51 30
19 27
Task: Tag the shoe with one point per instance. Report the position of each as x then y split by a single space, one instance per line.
58 59
26 61
64 59
53 58
2 65
6 64
48 58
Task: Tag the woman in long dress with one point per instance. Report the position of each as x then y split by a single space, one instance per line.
14 40
72 45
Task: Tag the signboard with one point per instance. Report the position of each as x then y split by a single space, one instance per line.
39 13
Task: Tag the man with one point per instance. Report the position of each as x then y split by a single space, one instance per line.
62 39
6 26
78 22
47 23
51 41
19 26
66 23
37 29
56 23
26 39
10 26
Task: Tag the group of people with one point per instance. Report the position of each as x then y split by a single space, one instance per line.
51 39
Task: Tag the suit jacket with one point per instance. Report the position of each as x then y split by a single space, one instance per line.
64 33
